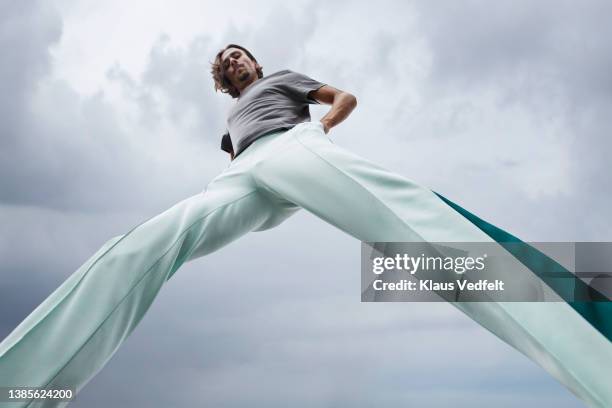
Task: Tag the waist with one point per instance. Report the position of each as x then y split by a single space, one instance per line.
245 144
270 143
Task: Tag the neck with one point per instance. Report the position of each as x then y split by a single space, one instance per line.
247 83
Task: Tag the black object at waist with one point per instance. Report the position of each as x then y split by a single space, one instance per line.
226 141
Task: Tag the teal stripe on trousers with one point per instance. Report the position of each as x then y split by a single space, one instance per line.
598 314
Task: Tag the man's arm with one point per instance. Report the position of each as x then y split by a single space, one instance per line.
342 104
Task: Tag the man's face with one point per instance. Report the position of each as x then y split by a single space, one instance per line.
238 67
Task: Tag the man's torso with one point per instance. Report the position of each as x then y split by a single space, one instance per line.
274 102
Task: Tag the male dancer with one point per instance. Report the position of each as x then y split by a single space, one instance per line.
281 162
279 104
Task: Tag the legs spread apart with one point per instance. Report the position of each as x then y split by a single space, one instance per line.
74 332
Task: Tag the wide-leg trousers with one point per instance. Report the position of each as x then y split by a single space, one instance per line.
76 330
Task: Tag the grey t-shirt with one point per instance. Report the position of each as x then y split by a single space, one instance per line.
275 102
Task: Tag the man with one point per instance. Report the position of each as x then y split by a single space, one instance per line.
281 162
235 69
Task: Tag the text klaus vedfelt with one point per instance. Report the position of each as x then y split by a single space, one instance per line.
412 265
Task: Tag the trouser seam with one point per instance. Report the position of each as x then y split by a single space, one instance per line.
360 185
99 257
139 280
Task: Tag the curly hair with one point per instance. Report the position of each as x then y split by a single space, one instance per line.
218 72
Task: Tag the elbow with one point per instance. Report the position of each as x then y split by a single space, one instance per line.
352 100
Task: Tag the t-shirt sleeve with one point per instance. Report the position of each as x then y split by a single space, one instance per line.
226 143
301 85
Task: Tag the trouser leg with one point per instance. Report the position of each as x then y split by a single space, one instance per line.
73 333
373 204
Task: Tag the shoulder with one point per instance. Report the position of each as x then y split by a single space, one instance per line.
278 74
282 77
287 73
283 72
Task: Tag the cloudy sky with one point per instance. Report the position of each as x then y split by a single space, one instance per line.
108 116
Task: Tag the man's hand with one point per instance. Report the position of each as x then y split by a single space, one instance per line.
326 127
342 104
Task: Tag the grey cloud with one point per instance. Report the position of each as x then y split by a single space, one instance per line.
40 248
176 84
479 43
551 60
67 151
281 39
28 29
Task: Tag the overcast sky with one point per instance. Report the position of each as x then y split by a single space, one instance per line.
108 116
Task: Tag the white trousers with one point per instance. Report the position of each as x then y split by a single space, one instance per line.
76 330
